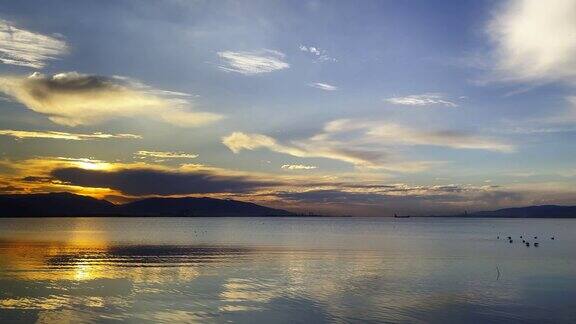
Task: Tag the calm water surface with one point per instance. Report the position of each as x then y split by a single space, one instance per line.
286 270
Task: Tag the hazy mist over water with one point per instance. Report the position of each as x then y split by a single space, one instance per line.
284 270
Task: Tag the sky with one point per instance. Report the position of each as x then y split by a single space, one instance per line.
366 108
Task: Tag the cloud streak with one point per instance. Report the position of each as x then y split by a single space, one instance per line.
74 99
318 54
397 134
251 63
298 167
25 48
324 86
20 134
165 155
239 141
431 99
366 144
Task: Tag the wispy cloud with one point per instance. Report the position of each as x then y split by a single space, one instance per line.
535 40
393 133
317 53
255 62
388 199
299 167
323 86
367 144
26 48
165 155
20 134
321 146
239 141
429 99
74 99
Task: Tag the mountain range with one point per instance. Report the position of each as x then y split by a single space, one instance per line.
68 204
544 211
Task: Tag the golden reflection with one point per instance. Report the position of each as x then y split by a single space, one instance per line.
83 272
52 302
84 262
157 271
83 252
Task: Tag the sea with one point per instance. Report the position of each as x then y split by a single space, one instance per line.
287 270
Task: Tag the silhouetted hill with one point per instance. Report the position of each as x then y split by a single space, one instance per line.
545 211
53 204
197 207
67 204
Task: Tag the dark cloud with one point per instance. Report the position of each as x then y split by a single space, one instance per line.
338 196
43 87
434 194
10 189
439 200
35 179
139 182
331 196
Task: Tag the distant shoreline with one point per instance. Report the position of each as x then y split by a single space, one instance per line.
65 204
281 216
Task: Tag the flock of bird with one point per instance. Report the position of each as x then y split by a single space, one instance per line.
525 240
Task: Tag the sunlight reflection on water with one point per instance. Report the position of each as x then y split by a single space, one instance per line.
284 270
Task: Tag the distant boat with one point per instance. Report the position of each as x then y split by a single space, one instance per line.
396 216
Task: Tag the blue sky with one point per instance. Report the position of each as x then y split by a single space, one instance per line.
367 108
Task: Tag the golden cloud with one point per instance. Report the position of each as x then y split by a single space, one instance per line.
20 134
165 155
366 144
74 99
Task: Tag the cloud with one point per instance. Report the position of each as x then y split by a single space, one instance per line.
535 40
298 167
239 141
10 189
255 62
20 134
141 182
431 99
318 54
366 144
393 133
404 199
26 48
324 86
534 44
74 99
357 193
166 155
